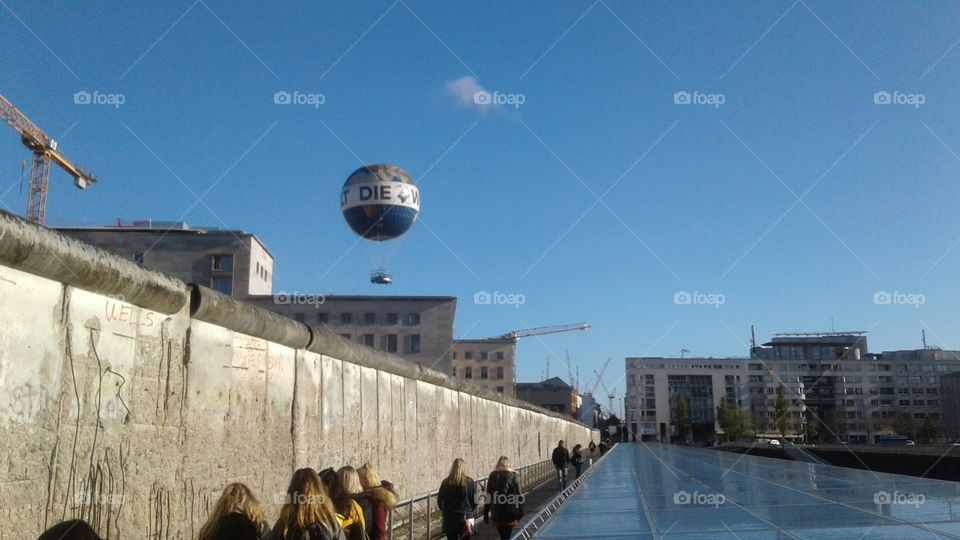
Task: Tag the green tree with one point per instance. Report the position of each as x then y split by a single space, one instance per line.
782 411
903 424
929 430
813 431
682 418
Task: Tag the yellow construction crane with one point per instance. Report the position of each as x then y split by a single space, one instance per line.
44 150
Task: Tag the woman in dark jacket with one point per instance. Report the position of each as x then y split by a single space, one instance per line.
504 500
576 458
457 500
380 499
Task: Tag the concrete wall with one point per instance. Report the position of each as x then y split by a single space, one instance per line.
129 399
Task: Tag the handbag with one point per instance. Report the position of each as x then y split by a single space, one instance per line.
469 528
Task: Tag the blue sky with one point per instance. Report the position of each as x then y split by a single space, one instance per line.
697 197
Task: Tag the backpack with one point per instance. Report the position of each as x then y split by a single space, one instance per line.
354 529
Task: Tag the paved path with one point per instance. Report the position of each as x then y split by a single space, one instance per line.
652 491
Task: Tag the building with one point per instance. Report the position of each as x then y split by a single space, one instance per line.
553 394
230 261
589 411
490 363
655 383
950 405
837 390
418 328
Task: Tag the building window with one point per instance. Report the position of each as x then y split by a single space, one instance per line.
346 318
300 317
483 372
392 318
468 372
369 318
138 258
414 343
499 389
500 373
322 318
222 284
500 355
368 340
223 263
413 319
453 371
345 336
468 355
454 355
391 343
483 355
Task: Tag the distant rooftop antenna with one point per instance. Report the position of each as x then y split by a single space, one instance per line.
682 352
923 335
753 337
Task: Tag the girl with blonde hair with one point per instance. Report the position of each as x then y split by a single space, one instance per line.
236 514
504 499
307 513
382 499
457 500
346 504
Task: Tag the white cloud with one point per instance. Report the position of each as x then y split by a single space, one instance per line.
470 95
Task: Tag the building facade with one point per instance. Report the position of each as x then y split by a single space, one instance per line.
490 363
950 405
418 328
655 383
836 389
232 262
553 394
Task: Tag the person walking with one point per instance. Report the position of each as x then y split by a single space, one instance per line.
457 500
346 504
235 515
382 499
504 501
576 459
561 458
307 513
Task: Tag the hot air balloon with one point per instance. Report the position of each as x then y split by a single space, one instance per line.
380 202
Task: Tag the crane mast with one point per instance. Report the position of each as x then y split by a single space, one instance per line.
44 151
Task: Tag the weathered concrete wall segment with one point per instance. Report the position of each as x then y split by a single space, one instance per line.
134 414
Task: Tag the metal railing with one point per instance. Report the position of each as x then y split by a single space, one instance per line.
418 517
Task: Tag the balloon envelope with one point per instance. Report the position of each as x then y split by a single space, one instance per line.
380 202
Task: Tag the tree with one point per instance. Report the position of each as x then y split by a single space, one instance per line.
903 424
813 431
735 423
682 418
782 411
929 430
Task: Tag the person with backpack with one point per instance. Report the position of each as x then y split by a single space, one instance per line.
504 501
347 505
236 515
576 459
561 458
382 498
307 513
457 500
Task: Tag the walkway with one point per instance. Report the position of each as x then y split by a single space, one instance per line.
656 491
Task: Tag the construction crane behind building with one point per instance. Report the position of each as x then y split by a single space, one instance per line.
44 151
517 334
